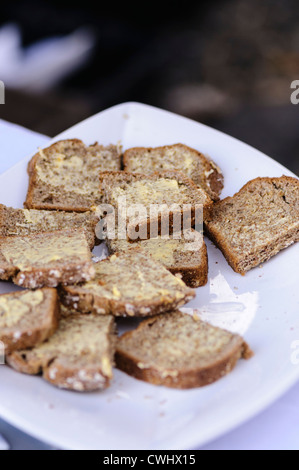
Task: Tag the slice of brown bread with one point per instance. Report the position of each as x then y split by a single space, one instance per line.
179 351
257 222
22 222
79 356
128 284
185 255
28 318
173 192
64 176
196 166
46 259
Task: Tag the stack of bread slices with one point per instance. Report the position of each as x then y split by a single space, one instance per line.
63 323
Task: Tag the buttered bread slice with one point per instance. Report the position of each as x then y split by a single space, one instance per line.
196 166
65 175
20 222
46 259
128 284
28 318
79 356
257 222
181 254
168 193
180 351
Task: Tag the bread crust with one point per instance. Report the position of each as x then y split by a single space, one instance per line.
242 263
194 277
182 379
212 184
29 337
87 302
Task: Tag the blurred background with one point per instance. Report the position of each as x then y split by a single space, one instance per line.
228 64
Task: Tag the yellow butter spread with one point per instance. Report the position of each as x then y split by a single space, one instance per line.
151 191
160 249
43 220
107 366
76 170
12 309
28 215
33 216
119 278
28 251
67 172
188 162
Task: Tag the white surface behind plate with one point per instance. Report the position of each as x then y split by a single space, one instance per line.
263 306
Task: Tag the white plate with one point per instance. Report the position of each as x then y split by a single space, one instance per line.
262 306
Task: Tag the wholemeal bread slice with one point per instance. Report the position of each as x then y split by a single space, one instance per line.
20 222
196 166
28 318
179 351
46 259
257 222
64 176
168 193
128 284
79 356
184 254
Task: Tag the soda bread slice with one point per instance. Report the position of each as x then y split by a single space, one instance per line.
185 255
21 222
46 259
79 356
64 176
28 318
128 284
171 188
179 351
257 222
196 166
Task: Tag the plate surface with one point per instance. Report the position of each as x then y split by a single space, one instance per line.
262 306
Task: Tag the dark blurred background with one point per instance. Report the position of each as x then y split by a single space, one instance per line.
228 64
